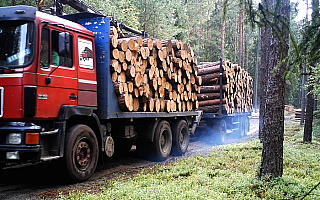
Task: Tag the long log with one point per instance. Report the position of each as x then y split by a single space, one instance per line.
114 41
167 44
115 53
208 96
212 88
148 42
211 102
125 102
130 41
213 77
208 70
208 64
122 45
213 108
176 44
157 44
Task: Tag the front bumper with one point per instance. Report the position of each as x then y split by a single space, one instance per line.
23 153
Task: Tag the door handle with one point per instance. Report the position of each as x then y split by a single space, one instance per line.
73 97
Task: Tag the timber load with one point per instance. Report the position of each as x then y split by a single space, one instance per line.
237 88
152 75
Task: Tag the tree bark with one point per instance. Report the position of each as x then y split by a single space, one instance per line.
307 136
274 51
223 28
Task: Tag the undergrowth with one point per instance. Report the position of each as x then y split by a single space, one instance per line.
228 172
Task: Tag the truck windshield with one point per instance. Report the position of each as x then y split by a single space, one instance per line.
17 42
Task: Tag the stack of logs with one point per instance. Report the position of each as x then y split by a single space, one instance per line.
152 75
237 88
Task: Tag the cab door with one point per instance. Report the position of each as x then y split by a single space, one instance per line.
87 77
57 73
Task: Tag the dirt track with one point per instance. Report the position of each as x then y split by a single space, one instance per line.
43 180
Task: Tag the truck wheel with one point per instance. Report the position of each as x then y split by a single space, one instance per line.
221 131
243 128
162 144
180 137
247 124
81 152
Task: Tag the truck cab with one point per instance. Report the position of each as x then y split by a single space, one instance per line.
47 67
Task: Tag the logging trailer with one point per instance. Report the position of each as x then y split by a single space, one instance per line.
58 100
218 120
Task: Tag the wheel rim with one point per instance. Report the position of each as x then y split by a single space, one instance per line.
164 143
83 154
183 138
223 131
243 129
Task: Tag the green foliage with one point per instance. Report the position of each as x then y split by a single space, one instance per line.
316 125
228 172
19 2
123 11
198 22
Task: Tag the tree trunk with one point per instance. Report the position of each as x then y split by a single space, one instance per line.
241 60
223 27
256 77
303 97
307 137
275 50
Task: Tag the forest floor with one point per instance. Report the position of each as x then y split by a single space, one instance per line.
41 181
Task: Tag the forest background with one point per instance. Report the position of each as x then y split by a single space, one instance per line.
200 23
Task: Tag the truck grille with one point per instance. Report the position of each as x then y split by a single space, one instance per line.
1 101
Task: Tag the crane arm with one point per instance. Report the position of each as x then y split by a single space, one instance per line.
80 6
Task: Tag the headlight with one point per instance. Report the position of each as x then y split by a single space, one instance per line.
14 138
13 155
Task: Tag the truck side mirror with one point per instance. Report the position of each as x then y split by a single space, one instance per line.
64 43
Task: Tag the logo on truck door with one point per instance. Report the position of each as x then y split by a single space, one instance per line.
85 53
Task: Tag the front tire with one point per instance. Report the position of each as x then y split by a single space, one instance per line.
81 152
180 137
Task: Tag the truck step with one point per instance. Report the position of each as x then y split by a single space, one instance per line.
47 158
235 130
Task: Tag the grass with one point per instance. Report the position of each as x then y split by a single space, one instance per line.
228 172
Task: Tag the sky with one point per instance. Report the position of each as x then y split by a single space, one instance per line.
302 9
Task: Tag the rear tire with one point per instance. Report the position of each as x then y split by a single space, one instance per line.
81 152
180 137
162 143
247 119
221 131
243 128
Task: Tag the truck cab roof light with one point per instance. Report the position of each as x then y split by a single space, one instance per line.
20 12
